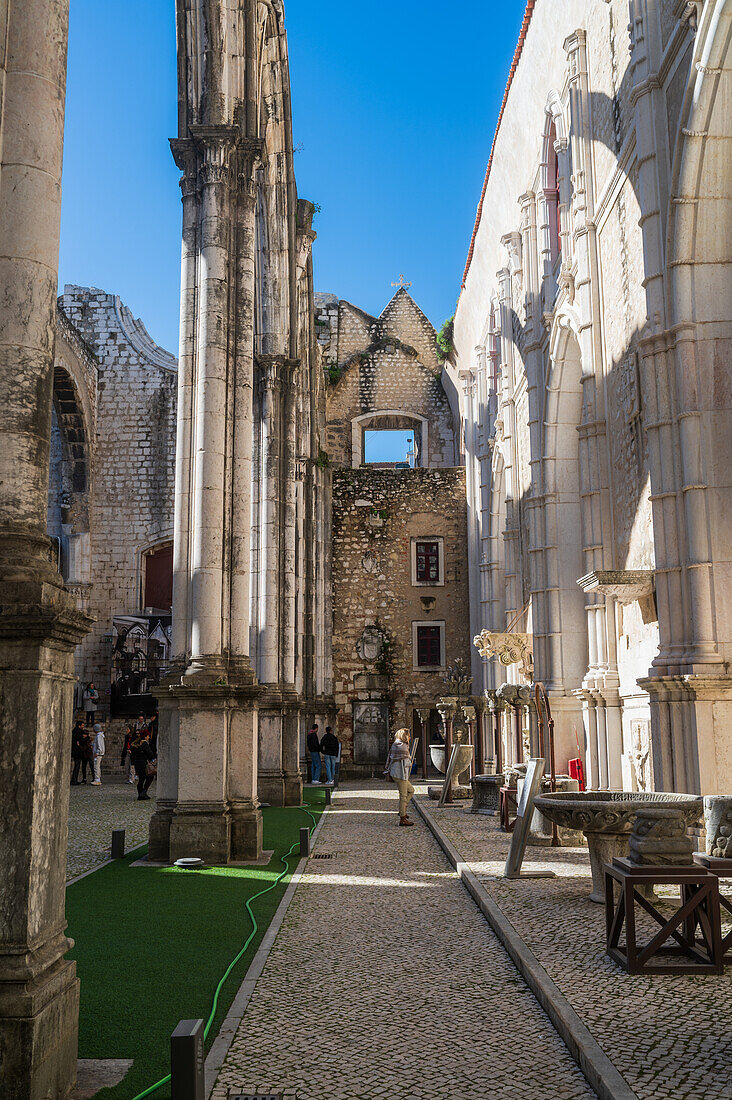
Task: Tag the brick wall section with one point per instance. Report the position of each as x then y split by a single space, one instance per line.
131 499
376 512
384 363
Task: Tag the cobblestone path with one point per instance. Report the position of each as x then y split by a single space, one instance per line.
93 813
662 1031
385 981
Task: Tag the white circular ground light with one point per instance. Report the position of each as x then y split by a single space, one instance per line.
189 862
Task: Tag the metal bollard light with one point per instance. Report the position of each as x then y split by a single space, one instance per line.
304 842
118 843
187 1079
328 796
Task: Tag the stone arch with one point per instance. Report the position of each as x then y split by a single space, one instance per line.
70 470
554 178
390 418
562 655
699 301
493 559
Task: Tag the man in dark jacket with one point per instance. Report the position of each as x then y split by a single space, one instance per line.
313 744
142 756
329 747
77 750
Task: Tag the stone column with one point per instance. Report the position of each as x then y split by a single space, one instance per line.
39 622
208 733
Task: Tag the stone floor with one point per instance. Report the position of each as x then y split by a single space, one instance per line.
93 813
665 1033
386 982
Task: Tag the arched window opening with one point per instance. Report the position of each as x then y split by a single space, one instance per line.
551 194
494 350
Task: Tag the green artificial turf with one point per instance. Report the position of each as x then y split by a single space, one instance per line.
152 944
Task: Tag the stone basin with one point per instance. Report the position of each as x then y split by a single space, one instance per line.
437 754
607 818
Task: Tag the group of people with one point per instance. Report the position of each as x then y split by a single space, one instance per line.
323 753
139 755
88 748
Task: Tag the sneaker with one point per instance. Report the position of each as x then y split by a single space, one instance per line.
96 782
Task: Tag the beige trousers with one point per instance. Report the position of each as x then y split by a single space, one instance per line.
406 790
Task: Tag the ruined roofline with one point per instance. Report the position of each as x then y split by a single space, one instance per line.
531 4
403 292
131 327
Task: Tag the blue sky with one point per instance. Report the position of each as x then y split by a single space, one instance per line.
394 107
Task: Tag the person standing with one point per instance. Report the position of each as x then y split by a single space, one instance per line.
329 747
399 766
142 759
99 748
77 751
126 759
313 743
88 751
91 702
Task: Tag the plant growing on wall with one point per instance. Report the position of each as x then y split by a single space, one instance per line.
323 460
384 663
445 346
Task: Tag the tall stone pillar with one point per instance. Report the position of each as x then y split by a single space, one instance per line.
208 803
39 622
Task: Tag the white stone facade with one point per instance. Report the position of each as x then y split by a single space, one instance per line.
592 354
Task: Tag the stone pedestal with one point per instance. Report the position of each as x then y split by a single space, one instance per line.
486 790
207 772
718 825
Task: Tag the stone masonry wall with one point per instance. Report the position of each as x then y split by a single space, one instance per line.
131 491
389 364
376 513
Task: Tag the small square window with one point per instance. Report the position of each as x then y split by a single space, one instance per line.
428 561
428 646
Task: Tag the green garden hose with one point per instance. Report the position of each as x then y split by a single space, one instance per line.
255 928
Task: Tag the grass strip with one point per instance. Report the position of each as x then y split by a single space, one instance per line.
152 944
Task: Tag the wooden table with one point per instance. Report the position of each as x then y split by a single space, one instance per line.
698 910
507 797
722 868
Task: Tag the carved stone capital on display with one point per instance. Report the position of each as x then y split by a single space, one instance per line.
507 648
512 243
626 585
718 824
659 838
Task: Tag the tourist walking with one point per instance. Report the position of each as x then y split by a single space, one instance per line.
99 748
126 759
77 751
329 747
91 702
398 766
142 760
313 743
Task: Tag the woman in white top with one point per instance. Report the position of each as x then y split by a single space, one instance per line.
398 766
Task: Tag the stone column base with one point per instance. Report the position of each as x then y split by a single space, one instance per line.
39 1034
246 832
271 788
158 850
200 830
293 790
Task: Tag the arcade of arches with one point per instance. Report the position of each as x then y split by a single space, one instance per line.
202 527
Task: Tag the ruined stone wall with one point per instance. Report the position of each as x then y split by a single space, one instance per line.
131 482
387 364
376 514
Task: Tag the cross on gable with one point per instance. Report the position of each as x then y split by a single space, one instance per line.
401 282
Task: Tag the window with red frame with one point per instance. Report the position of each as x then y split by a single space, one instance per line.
428 646
428 561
